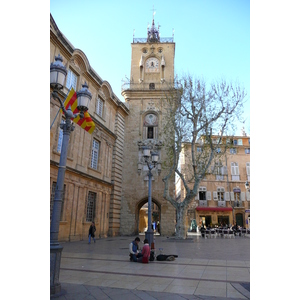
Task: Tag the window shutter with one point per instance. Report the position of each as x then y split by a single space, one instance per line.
197 196
232 196
227 198
145 132
155 136
224 171
248 196
248 168
237 169
215 195
243 196
232 169
208 195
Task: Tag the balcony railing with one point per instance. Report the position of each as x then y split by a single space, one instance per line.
221 204
238 204
203 203
163 85
161 40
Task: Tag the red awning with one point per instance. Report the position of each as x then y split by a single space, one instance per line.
202 208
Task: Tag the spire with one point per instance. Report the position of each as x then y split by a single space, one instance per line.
153 33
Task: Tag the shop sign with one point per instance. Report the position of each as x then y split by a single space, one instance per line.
236 190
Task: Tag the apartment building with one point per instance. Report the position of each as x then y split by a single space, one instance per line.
224 194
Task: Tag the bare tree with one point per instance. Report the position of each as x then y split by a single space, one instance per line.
195 112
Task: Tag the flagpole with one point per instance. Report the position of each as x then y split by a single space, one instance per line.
59 109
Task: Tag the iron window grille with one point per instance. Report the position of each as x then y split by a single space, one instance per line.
91 204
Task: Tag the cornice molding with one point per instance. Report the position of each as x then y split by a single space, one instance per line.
56 164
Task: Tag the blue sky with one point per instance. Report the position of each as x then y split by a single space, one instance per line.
212 38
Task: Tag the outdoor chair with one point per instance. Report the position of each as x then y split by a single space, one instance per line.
243 232
225 232
231 234
207 233
213 233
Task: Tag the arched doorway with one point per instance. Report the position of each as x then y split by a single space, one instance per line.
239 220
143 216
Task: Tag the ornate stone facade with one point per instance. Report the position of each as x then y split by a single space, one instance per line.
92 190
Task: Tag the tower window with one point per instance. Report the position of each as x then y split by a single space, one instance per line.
150 133
152 86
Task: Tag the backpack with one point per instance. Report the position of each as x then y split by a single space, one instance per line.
152 256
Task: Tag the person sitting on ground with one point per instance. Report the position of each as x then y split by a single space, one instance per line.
145 253
134 250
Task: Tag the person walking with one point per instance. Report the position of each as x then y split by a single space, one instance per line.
145 253
134 250
92 232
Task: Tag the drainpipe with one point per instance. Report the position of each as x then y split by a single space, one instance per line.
228 188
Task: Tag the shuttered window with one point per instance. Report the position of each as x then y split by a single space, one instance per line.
95 154
248 168
232 150
202 193
221 194
235 171
71 80
100 107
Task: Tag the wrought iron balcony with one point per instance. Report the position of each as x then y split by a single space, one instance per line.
142 86
203 203
238 204
161 40
221 204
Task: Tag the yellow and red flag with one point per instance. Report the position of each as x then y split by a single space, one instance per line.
86 123
71 100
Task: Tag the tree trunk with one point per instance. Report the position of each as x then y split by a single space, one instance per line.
181 231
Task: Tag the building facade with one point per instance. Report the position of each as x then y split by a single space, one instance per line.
93 177
151 77
222 195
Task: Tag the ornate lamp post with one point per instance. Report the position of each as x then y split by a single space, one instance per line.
57 77
247 186
151 160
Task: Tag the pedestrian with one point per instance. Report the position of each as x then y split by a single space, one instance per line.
92 232
134 250
145 253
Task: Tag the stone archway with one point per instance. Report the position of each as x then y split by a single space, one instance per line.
142 215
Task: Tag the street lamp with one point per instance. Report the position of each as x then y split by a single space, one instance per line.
58 73
151 160
247 186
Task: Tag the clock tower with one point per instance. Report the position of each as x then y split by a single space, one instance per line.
151 77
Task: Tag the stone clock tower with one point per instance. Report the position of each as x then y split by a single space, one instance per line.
152 75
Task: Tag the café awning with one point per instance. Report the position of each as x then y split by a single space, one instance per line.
202 208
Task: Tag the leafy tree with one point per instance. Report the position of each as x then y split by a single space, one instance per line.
195 114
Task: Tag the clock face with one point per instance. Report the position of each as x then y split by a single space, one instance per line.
152 65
